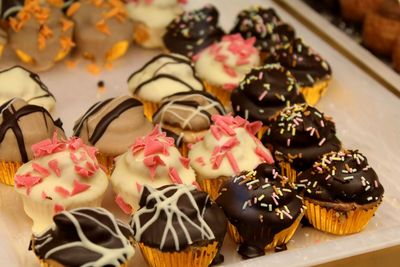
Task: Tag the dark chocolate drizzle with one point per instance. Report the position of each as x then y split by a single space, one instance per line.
266 26
265 91
197 207
248 202
10 8
11 118
101 127
310 132
193 31
97 226
305 64
341 177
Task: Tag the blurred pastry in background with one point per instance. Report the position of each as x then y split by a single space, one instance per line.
356 10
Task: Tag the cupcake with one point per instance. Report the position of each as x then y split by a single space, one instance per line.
263 92
22 83
103 31
266 26
187 116
178 225
84 237
152 160
223 65
263 210
356 10
227 149
299 135
3 40
63 175
161 77
21 126
382 27
341 191
193 31
39 33
312 73
151 19
111 126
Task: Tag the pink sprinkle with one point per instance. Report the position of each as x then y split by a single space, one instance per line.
91 151
40 169
288 142
47 147
53 165
200 160
261 97
27 180
274 199
232 162
62 191
155 148
215 132
73 157
225 128
74 143
260 75
138 187
242 61
174 175
264 155
185 162
231 72
58 208
125 207
152 163
229 86
196 57
189 146
79 187
44 195
87 172
253 127
221 58
196 184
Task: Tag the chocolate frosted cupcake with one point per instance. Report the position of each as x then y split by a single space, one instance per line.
299 135
22 83
84 237
265 91
162 76
341 192
111 126
177 225
21 126
311 71
266 26
193 31
263 210
187 116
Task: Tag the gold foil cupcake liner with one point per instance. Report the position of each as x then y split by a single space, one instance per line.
184 149
149 108
313 94
141 34
261 132
107 162
338 222
288 171
191 257
211 186
223 95
281 238
8 170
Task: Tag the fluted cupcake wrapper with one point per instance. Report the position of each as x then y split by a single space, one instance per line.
223 95
192 257
8 169
288 171
107 162
149 108
338 222
51 263
211 186
262 131
313 94
281 238
184 149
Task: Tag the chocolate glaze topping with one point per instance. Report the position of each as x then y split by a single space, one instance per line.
265 25
305 64
265 91
259 204
193 31
85 236
342 177
11 121
9 8
300 134
167 213
101 127
390 9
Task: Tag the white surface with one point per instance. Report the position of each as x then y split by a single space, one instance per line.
366 115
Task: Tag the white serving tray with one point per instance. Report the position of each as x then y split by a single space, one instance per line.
367 117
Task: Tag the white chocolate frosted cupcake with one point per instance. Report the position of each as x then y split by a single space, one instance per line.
223 65
152 160
22 83
163 76
151 18
63 175
229 147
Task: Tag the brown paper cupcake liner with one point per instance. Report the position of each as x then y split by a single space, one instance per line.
223 95
288 171
313 94
107 162
8 170
337 222
211 186
192 257
279 239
